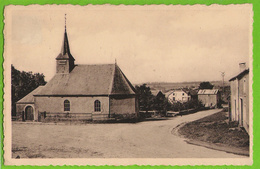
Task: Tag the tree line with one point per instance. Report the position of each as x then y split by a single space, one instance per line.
148 102
24 83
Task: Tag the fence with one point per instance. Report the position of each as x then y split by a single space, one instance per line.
58 116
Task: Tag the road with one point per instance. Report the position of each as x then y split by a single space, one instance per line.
149 139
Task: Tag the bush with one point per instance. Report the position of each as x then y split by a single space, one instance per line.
191 104
123 116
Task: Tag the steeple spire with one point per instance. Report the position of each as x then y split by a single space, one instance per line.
65 52
65 46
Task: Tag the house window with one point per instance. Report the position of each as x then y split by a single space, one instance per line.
66 105
97 106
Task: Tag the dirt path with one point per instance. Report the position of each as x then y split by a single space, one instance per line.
148 139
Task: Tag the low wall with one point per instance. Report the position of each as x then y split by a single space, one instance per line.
191 111
83 117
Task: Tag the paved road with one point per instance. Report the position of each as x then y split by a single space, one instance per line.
148 139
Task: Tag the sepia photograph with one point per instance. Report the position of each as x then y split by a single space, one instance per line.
128 84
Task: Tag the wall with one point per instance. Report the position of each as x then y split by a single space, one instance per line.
244 95
77 104
179 96
240 91
208 100
21 108
234 100
62 66
123 105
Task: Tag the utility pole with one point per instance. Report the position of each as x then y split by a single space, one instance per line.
223 76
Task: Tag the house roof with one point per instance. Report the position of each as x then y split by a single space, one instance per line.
155 92
177 90
102 79
29 98
240 75
207 91
190 91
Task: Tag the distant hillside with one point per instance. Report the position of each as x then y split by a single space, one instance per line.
165 86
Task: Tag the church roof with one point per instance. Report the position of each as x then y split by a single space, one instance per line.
102 79
29 98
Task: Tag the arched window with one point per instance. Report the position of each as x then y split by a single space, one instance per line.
66 105
97 106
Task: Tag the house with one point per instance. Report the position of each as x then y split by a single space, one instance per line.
239 99
177 95
209 97
93 89
192 92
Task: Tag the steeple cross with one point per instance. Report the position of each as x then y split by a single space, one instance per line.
65 21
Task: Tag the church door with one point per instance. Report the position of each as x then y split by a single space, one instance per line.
29 113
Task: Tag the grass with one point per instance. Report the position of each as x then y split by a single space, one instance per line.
216 129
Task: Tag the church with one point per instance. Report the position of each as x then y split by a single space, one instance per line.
92 89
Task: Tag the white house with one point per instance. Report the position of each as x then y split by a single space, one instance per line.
177 95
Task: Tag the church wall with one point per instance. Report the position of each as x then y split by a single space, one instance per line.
77 104
19 111
123 105
20 108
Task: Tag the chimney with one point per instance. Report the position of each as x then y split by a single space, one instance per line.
242 66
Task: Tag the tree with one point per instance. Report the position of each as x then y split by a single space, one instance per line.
160 103
206 85
145 97
23 83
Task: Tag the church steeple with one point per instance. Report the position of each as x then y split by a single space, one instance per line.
65 61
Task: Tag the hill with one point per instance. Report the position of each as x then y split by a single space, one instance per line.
165 86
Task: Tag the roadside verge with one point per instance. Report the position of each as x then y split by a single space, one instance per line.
215 132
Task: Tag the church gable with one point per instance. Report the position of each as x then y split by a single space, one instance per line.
121 85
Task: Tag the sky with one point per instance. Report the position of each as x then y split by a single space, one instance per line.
151 43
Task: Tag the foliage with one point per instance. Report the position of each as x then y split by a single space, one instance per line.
206 85
23 83
145 97
148 102
160 103
191 104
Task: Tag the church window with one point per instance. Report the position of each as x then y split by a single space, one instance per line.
97 106
66 105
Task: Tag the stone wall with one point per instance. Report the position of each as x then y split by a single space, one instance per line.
77 104
123 105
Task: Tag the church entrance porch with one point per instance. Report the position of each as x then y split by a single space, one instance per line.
28 115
